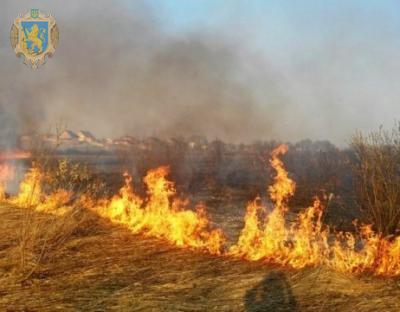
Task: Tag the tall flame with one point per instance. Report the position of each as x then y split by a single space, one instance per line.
301 244
306 242
283 187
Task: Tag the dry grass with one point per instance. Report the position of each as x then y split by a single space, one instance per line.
101 267
40 236
41 240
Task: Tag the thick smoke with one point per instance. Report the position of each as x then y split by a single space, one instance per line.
118 71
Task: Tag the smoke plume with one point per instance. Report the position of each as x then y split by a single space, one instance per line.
118 71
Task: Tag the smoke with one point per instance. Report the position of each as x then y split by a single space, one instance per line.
118 71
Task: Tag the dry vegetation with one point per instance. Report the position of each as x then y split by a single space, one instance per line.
377 175
101 267
76 261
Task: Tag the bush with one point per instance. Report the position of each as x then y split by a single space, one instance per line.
75 177
377 176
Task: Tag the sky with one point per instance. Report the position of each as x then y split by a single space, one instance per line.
334 55
237 70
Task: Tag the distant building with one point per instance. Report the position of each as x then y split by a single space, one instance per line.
86 136
69 135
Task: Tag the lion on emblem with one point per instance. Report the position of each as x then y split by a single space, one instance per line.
36 38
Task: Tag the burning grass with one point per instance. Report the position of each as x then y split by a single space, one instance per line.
307 242
302 243
51 219
162 214
101 266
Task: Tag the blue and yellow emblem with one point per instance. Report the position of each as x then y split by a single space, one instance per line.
34 36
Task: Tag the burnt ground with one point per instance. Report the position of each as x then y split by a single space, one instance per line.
102 267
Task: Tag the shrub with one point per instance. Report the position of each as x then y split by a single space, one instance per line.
377 177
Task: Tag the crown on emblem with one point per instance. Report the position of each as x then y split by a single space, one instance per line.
34 13
34 36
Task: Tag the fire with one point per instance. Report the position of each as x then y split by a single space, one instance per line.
377 254
299 245
302 243
30 195
162 215
56 203
7 172
283 187
307 242
29 189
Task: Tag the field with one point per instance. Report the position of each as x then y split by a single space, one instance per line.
103 267
71 241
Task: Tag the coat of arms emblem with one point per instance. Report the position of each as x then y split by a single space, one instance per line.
34 36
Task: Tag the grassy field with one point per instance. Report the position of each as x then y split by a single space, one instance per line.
101 267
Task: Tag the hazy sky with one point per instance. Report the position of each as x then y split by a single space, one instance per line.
238 70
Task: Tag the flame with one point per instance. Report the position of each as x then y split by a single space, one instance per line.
56 203
283 187
29 189
30 195
299 245
7 173
302 243
377 255
162 215
307 242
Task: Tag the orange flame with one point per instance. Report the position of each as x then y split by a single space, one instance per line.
377 255
304 242
298 245
283 187
7 172
29 189
162 215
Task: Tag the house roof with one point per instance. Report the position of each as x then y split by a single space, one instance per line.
68 134
86 134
